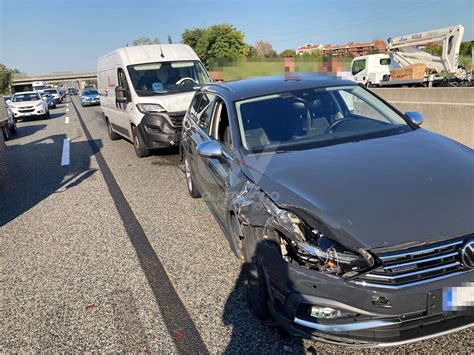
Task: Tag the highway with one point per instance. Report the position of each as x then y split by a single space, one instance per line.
102 251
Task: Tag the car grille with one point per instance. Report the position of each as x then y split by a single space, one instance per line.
176 118
26 110
416 265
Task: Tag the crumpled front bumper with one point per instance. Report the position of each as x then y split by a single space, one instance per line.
293 288
157 131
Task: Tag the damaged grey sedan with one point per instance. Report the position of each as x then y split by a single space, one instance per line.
355 224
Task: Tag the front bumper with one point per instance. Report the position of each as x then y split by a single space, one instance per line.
90 102
159 131
293 289
26 113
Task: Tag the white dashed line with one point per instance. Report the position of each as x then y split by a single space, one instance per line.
67 109
65 156
66 120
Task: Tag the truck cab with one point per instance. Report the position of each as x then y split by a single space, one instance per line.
370 69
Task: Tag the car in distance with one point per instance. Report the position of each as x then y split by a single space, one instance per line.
90 97
55 94
145 92
28 104
49 99
355 224
72 91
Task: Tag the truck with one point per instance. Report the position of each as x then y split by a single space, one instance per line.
406 64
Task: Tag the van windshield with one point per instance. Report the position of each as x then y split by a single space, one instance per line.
167 77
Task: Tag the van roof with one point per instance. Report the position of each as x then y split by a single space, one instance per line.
148 54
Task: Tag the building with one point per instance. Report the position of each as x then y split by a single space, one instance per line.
350 48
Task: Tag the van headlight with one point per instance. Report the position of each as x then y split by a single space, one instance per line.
150 108
313 247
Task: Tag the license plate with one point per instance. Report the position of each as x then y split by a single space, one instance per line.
459 299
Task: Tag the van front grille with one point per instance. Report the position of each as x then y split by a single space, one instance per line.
416 265
176 118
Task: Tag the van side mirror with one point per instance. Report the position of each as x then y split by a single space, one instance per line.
121 94
415 117
210 149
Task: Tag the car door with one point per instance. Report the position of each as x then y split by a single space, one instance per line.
194 130
217 170
119 120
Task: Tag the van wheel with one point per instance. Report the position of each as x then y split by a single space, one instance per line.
112 135
256 285
190 179
140 149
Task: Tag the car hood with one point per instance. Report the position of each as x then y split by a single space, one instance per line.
398 190
26 103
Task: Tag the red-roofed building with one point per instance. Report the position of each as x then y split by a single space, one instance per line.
356 49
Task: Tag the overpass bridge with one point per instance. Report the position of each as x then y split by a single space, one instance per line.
78 78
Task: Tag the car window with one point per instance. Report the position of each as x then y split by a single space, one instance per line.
193 108
204 110
315 117
26 97
219 128
358 66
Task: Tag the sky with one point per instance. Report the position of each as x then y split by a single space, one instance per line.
45 36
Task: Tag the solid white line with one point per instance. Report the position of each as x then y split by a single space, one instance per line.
65 156
431 103
67 109
66 120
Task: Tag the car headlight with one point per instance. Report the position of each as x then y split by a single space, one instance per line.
150 108
40 104
313 247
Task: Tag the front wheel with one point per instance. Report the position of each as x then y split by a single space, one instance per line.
190 179
140 149
112 135
6 133
256 285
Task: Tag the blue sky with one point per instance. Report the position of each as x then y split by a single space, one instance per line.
45 36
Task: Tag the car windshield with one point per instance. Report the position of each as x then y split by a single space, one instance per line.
46 95
167 77
26 97
53 91
311 118
90 92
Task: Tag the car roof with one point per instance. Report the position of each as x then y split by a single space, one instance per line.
242 89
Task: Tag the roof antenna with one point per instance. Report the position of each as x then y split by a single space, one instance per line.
161 50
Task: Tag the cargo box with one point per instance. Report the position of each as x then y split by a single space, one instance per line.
410 72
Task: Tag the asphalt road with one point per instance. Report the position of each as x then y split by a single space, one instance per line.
102 251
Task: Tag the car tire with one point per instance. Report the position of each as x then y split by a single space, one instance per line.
112 135
13 128
47 115
255 283
6 133
192 189
140 149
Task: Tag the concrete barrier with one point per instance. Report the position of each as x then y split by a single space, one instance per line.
448 111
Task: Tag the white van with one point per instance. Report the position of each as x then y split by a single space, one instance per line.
370 69
146 90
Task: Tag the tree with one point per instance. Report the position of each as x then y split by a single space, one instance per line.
170 41
145 40
5 79
221 41
191 37
466 48
264 49
288 53
251 52
434 49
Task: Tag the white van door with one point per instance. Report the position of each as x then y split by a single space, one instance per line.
359 70
121 120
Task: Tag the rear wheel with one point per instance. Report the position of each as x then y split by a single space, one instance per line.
112 135
190 180
13 128
47 115
256 285
140 149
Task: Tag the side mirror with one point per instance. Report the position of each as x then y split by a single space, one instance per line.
121 95
415 117
210 149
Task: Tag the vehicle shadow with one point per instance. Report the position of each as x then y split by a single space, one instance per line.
249 334
24 131
30 173
54 115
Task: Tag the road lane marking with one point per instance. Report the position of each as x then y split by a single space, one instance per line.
66 120
67 109
173 311
65 156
